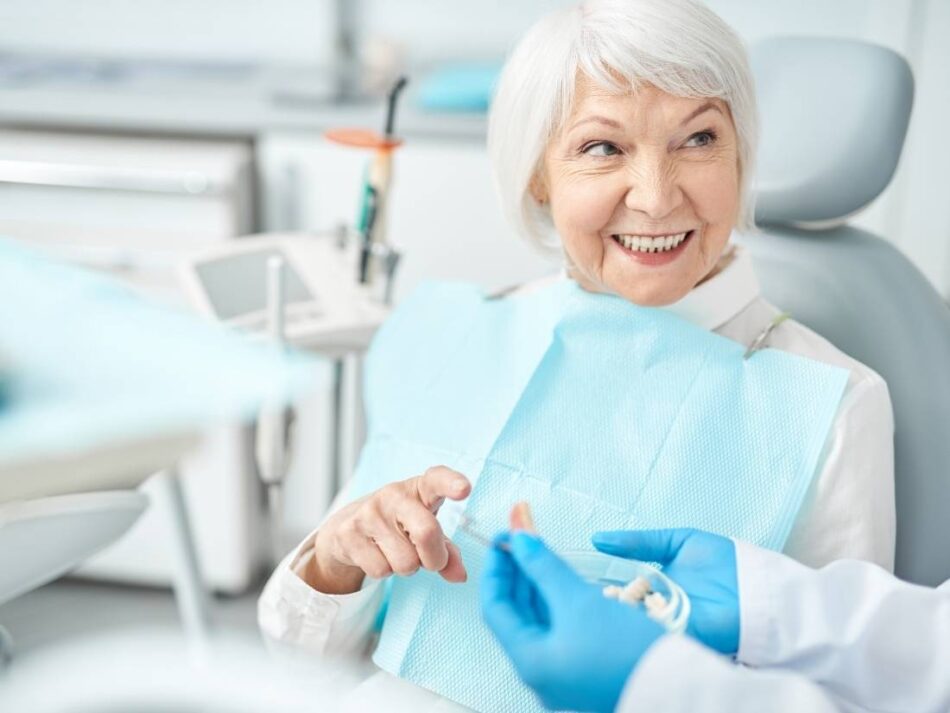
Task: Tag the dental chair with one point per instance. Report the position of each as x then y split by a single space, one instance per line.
52 531
834 116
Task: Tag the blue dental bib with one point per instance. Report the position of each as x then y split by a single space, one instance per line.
602 415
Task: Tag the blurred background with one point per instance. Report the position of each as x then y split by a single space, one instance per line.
136 132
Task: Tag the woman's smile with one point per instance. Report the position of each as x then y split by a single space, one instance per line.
653 250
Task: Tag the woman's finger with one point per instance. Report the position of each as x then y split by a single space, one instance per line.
425 533
399 553
365 554
438 483
454 570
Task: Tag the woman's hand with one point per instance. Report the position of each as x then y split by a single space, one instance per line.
390 531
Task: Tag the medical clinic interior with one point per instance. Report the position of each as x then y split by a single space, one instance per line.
496 356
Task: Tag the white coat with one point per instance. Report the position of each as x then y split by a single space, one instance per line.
847 637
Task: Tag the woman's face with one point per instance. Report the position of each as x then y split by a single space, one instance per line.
643 189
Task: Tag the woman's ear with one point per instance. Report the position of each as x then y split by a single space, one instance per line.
538 188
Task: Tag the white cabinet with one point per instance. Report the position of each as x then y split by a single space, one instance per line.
132 204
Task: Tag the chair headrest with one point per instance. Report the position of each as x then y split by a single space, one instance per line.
834 114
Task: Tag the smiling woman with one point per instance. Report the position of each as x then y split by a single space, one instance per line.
622 134
644 190
635 155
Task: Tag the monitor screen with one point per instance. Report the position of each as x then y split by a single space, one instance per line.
237 284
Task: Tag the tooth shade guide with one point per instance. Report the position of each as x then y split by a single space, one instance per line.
632 592
655 603
469 526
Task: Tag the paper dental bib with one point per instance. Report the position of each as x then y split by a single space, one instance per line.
601 415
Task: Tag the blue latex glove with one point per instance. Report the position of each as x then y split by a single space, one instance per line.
703 564
572 645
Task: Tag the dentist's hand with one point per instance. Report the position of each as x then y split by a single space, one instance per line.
703 564
390 531
572 645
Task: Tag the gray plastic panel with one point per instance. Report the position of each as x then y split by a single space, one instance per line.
834 115
869 300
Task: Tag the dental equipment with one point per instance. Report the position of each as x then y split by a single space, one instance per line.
324 311
274 424
629 581
371 224
469 527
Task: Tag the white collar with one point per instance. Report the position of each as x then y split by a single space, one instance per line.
716 301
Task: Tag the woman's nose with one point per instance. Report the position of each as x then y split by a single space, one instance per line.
653 191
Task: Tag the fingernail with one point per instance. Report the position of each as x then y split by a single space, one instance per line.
458 487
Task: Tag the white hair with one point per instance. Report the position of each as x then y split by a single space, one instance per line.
679 46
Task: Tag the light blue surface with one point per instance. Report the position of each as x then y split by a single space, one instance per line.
462 87
599 413
92 364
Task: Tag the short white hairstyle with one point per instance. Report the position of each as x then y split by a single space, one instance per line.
679 46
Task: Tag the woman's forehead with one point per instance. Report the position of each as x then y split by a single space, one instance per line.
645 102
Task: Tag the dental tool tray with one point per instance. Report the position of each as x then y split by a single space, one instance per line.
325 309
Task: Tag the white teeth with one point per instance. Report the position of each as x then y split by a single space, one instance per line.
645 244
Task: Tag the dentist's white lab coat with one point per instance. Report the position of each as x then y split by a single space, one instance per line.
848 637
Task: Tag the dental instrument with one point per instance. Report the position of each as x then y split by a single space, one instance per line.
274 424
629 581
371 224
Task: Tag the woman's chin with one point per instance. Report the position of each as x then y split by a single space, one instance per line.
645 290
653 300
651 291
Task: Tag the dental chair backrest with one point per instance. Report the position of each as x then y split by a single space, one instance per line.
834 116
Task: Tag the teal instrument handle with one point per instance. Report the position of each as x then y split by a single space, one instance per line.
362 217
367 221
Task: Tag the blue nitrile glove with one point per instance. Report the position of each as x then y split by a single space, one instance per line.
702 563
571 644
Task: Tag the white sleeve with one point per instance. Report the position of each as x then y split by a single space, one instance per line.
863 635
849 511
291 612
678 675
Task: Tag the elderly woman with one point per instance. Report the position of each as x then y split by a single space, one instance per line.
623 132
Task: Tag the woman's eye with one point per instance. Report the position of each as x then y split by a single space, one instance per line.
700 139
601 148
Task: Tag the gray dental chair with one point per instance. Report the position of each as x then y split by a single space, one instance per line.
834 116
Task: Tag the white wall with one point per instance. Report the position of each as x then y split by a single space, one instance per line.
300 30
226 30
